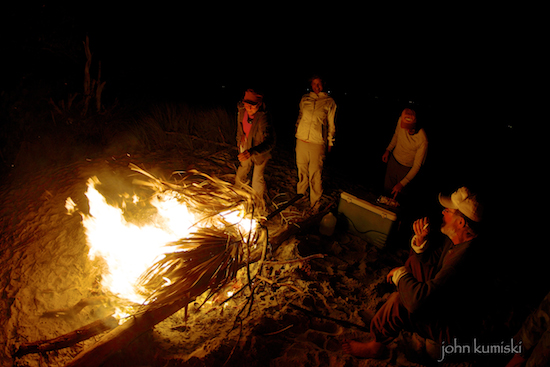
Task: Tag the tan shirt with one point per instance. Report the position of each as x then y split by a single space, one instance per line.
409 150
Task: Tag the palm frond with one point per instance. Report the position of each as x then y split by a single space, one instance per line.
211 256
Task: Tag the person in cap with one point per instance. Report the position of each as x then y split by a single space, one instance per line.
405 153
255 140
437 288
315 130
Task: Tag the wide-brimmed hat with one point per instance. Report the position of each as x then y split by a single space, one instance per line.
465 202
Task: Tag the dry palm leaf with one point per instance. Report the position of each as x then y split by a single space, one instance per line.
211 256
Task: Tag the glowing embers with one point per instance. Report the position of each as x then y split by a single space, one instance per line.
170 224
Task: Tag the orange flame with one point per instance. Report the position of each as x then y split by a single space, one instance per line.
129 249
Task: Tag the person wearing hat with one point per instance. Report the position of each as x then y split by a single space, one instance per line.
315 130
405 153
438 287
255 139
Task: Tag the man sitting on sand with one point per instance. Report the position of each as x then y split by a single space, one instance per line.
436 293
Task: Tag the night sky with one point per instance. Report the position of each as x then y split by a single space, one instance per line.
361 51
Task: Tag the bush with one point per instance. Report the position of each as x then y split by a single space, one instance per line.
214 124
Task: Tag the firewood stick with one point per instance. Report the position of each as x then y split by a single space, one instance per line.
338 321
279 331
124 334
69 339
303 259
286 205
264 279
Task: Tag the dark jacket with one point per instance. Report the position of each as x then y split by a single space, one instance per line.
447 269
261 138
454 291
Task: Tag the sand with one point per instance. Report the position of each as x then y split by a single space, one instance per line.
293 319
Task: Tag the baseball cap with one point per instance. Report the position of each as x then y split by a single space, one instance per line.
251 97
465 202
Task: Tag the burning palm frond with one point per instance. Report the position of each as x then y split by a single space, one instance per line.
209 257
205 193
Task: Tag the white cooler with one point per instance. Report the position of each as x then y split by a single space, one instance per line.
371 222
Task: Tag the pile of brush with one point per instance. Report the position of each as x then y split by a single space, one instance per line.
209 257
202 263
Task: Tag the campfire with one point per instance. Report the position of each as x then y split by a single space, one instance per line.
145 255
186 241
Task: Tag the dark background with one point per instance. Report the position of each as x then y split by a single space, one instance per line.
453 67
465 71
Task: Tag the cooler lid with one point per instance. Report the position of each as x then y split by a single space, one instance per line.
384 213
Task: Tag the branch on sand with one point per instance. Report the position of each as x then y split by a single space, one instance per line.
69 339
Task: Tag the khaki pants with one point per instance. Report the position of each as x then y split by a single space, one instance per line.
309 161
258 180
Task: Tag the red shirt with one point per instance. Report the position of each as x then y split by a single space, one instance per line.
247 125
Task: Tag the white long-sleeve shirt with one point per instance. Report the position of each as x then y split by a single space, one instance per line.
316 119
409 150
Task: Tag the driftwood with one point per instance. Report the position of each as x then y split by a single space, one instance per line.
124 334
70 339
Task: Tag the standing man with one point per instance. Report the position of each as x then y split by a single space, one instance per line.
405 154
255 139
314 136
